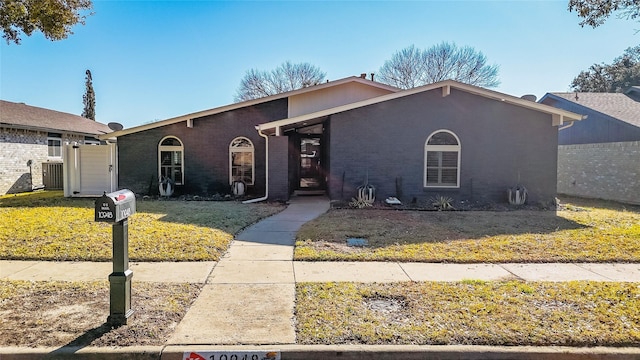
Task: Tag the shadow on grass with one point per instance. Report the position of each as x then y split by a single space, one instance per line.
384 227
83 340
45 199
600 204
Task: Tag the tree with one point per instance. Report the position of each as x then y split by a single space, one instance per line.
623 73
54 18
596 12
411 67
286 77
89 98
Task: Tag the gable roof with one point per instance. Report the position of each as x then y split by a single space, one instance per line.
617 105
559 116
234 106
22 116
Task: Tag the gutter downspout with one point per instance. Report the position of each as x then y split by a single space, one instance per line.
566 126
266 170
584 117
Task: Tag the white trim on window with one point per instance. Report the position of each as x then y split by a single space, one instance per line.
171 163
440 154
244 168
54 147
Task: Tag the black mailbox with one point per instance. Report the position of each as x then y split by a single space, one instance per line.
115 206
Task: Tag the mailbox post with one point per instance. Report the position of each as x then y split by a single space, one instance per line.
115 208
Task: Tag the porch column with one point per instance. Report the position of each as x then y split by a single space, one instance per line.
278 168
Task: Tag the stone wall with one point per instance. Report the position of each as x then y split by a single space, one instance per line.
609 171
17 147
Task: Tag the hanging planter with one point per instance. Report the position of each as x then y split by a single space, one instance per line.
367 192
239 188
166 186
517 195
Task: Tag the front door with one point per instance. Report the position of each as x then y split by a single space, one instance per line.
311 173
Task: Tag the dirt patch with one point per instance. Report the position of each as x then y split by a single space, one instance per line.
50 314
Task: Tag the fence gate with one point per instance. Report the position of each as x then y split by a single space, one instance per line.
52 176
90 170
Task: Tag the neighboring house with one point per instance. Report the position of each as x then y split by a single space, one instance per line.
448 138
599 157
31 145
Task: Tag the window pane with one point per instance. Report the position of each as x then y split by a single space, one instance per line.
432 176
54 147
449 176
241 143
171 142
450 158
433 158
442 138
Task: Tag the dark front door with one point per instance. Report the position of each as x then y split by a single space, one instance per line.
311 172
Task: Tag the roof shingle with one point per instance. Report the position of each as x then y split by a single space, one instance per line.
36 118
617 105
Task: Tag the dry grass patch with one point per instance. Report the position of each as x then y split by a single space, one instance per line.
47 226
472 313
51 314
583 231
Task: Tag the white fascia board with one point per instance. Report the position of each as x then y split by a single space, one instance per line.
247 103
446 85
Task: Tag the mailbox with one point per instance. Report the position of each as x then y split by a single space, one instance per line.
115 206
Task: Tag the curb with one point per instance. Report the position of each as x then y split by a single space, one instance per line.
98 353
342 352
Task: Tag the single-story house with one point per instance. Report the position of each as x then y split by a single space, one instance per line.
599 157
31 143
447 138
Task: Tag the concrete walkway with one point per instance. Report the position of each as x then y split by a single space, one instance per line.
250 295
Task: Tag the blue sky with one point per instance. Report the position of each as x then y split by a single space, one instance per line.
153 60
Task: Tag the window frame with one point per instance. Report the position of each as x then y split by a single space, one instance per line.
242 149
440 149
171 148
58 138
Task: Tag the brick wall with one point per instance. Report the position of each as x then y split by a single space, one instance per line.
206 151
608 171
17 146
278 168
501 145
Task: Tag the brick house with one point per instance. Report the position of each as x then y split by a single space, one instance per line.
599 157
31 140
448 138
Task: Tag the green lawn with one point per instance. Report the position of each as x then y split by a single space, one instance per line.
573 313
582 231
47 226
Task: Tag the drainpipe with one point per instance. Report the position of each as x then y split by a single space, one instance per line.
566 126
266 170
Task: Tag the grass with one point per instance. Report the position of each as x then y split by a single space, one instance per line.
583 231
469 313
40 314
47 226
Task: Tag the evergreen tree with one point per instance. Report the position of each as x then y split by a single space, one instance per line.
89 99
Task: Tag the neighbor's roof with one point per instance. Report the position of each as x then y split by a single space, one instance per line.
559 116
247 103
19 115
617 105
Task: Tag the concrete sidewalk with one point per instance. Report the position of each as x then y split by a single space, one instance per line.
304 271
248 296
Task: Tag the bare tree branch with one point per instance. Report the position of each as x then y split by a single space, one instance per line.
412 67
286 77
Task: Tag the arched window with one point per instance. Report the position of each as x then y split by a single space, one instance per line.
171 159
442 160
241 164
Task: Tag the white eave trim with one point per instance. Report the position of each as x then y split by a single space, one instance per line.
190 117
559 116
